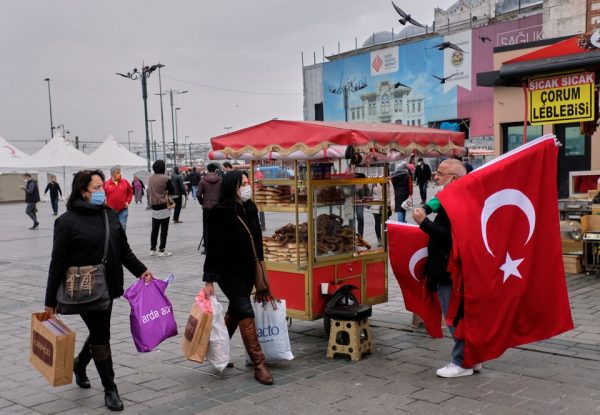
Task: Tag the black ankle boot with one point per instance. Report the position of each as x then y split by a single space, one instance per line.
103 360
80 364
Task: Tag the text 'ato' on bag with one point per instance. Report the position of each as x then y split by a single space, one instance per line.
272 330
84 288
152 319
52 349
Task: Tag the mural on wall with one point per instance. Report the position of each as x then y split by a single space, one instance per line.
396 85
424 82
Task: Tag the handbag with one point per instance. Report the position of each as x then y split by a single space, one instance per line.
260 280
84 288
170 202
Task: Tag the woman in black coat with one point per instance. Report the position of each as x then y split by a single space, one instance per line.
402 182
231 263
79 236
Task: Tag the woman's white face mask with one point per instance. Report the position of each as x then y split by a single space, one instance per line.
245 193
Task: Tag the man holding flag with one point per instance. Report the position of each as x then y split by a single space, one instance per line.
508 285
436 270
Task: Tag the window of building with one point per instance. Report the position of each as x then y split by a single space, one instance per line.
574 142
412 107
371 108
419 106
513 135
385 103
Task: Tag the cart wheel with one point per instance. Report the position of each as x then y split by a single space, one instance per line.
342 296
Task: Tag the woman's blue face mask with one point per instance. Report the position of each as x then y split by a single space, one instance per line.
98 198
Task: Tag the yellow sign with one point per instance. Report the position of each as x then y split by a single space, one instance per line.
562 99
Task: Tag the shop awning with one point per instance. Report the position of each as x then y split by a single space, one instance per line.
565 55
279 139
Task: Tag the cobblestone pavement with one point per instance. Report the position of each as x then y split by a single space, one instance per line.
560 375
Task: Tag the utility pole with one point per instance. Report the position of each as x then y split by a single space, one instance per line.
50 101
162 116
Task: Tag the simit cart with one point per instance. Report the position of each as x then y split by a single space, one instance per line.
319 260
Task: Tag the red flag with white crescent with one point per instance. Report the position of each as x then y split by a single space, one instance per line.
408 256
507 250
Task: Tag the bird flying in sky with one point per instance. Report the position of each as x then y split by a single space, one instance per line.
446 45
443 80
406 17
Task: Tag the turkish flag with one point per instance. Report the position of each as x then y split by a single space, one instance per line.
507 252
408 256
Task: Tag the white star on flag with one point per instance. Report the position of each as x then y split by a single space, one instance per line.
510 267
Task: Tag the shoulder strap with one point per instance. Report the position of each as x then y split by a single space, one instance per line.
106 238
251 238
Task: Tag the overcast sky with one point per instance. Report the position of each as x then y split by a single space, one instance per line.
239 60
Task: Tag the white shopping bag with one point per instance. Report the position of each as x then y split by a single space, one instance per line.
272 331
218 353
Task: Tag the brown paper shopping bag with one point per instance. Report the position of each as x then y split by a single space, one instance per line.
52 349
196 334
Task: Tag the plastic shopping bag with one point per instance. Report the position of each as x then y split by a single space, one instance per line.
272 330
152 319
218 353
194 342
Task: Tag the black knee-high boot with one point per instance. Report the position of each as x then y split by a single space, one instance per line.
103 360
81 362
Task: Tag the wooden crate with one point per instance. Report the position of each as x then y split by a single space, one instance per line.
569 246
572 264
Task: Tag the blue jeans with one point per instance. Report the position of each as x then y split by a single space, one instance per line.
402 216
122 215
458 351
194 190
30 210
54 203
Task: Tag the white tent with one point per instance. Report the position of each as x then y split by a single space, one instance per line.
61 159
111 153
11 158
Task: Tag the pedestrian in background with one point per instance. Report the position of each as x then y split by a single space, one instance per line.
423 176
208 196
118 195
178 193
377 210
54 188
159 187
138 189
360 192
79 237
194 178
402 183
32 196
233 227
227 167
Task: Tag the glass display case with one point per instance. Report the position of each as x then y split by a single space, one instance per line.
331 235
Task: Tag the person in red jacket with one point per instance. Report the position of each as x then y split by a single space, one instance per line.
118 195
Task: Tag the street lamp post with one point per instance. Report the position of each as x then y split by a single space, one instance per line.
162 117
177 132
50 102
152 138
143 76
172 91
129 138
